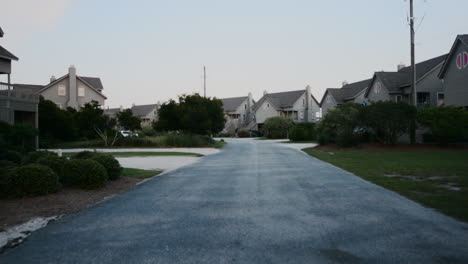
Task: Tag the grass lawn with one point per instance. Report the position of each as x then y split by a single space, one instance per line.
139 173
144 154
435 179
219 144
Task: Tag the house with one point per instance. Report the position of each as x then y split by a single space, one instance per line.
454 73
237 112
396 86
299 106
15 106
147 113
349 92
70 90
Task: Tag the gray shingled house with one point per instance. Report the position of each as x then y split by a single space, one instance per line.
73 91
350 92
454 73
299 106
396 86
147 113
237 112
15 106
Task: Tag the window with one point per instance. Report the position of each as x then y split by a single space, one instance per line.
81 91
440 99
398 98
377 88
245 106
61 90
423 98
301 115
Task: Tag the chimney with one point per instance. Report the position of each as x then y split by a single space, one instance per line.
401 66
52 79
249 109
345 83
121 108
73 93
265 92
308 110
133 105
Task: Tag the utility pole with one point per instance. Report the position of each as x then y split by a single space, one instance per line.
204 81
413 64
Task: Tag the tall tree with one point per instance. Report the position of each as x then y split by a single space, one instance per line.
128 121
192 114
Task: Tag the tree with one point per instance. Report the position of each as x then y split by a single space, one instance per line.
277 127
339 125
128 121
55 123
91 119
388 120
192 114
448 124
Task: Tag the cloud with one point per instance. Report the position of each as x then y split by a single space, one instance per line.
22 19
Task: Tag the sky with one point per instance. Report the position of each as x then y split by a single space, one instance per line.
147 51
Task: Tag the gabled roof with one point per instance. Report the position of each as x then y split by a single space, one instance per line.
231 104
424 67
394 81
462 39
97 90
143 110
93 81
282 99
112 112
6 54
350 91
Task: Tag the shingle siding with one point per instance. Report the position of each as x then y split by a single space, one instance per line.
456 81
378 94
328 104
431 84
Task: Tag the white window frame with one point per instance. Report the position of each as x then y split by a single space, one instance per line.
61 90
81 91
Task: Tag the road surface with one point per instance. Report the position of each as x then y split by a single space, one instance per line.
254 202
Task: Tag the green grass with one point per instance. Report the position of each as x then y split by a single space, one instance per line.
219 144
139 173
431 169
144 154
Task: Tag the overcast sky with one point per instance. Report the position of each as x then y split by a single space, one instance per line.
149 51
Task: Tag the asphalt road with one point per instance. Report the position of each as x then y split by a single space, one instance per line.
254 202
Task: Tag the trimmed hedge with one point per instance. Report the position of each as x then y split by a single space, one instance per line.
85 155
84 174
55 163
33 179
34 156
6 168
302 132
277 127
447 124
111 164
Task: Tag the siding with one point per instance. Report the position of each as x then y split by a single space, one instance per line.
382 95
431 84
456 81
264 112
328 104
90 95
51 93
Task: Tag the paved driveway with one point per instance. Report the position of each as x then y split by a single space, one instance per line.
254 202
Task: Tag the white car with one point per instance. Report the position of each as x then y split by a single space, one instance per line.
128 133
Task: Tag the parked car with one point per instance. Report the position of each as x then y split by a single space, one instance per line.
128 133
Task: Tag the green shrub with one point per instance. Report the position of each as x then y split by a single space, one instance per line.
55 163
243 134
277 127
33 179
85 155
10 155
33 156
148 131
111 164
186 140
338 123
84 174
448 124
6 167
388 120
347 139
303 132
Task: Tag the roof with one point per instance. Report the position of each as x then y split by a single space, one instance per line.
93 81
463 39
143 110
424 67
1 32
112 112
28 87
282 99
350 91
6 54
231 104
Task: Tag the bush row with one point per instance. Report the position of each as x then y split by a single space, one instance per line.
43 172
386 122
